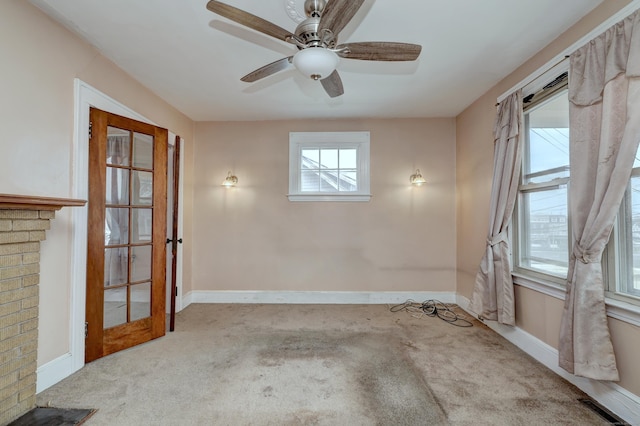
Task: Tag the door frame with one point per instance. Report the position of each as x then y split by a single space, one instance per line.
170 181
86 96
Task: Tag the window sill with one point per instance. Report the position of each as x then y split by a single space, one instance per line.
617 309
330 197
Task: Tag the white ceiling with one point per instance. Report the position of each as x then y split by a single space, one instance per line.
194 59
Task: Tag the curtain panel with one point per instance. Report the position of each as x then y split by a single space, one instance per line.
604 114
493 290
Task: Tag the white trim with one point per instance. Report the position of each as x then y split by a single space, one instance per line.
52 372
186 299
359 141
611 395
543 287
315 297
180 253
623 311
331 197
617 309
604 26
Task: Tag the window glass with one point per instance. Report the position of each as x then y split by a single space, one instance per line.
348 158
545 238
624 282
548 153
329 158
633 286
542 211
329 166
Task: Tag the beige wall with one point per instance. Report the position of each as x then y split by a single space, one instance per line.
40 60
536 313
252 238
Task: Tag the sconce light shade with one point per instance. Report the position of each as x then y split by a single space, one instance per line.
230 180
316 62
417 179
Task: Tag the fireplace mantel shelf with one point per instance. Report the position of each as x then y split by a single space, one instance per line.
26 202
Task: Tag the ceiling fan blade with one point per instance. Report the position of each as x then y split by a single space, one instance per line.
379 51
267 70
249 20
333 84
337 14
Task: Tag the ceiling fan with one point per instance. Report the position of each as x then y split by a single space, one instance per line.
317 41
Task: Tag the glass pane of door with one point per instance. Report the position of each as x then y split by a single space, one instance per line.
142 220
142 151
115 307
117 186
142 188
140 301
118 146
116 226
127 268
116 266
141 263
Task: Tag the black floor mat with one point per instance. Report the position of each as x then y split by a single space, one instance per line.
48 416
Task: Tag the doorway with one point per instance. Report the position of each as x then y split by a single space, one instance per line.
85 97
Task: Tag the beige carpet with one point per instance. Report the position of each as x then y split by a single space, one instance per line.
320 365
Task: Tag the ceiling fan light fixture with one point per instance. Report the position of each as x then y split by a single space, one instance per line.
316 62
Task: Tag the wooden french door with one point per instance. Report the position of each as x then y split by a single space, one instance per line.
126 234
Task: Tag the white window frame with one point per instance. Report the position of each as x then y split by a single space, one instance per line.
619 305
617 259
327 140
518 220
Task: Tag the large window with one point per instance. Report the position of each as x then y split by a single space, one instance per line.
624 246
329 166
542 231
542 213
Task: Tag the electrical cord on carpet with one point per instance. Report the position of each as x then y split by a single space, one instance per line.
433 308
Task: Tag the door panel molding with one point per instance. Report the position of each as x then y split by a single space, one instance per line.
101 341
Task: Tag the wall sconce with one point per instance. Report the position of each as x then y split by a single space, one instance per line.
417 179
230 180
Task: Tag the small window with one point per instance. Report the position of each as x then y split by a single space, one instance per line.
329 166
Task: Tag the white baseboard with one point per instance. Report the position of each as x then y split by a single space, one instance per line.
611 395
52 372
314 297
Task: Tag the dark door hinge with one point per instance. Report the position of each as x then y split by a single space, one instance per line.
90 129
86 329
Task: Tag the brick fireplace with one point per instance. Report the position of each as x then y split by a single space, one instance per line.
23 225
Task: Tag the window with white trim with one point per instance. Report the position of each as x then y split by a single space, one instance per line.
542 206
329 166
542 224
623 260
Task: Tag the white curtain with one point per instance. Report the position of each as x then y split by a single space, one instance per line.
493 291
604 91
